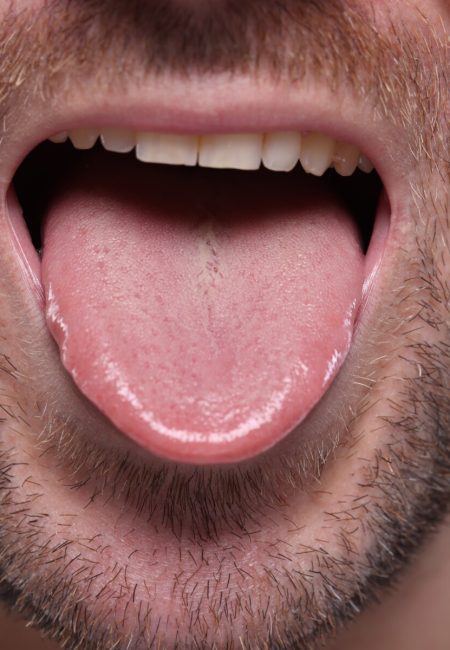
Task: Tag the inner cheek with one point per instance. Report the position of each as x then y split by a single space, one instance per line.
26 255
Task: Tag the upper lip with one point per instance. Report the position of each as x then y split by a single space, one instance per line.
217 105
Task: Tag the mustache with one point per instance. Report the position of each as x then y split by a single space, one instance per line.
298 41
226 36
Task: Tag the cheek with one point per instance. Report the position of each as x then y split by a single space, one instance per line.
436 10
411 12
20 5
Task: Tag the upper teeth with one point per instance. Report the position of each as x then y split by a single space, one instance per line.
278 151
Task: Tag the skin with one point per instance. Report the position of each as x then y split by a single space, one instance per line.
305 539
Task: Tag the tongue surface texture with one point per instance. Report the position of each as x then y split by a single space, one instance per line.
204 313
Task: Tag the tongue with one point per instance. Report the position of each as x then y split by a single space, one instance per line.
204 313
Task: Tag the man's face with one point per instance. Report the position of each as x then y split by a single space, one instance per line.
225 394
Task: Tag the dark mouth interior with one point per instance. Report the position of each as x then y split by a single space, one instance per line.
49 164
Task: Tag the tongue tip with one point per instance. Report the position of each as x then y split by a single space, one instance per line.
196 448
175 435
250 438
190 436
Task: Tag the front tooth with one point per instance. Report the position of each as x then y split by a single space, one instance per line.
59 137
118 140
83 138
316 153
346 158
281 151
235 151
167 148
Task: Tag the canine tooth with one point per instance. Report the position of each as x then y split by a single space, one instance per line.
346 158
83 138
364 164
118 140
165 148
231 151
59 137
281 151
316 153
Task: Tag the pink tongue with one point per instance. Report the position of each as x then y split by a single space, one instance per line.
204 313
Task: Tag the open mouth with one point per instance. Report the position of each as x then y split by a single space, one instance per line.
203 302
